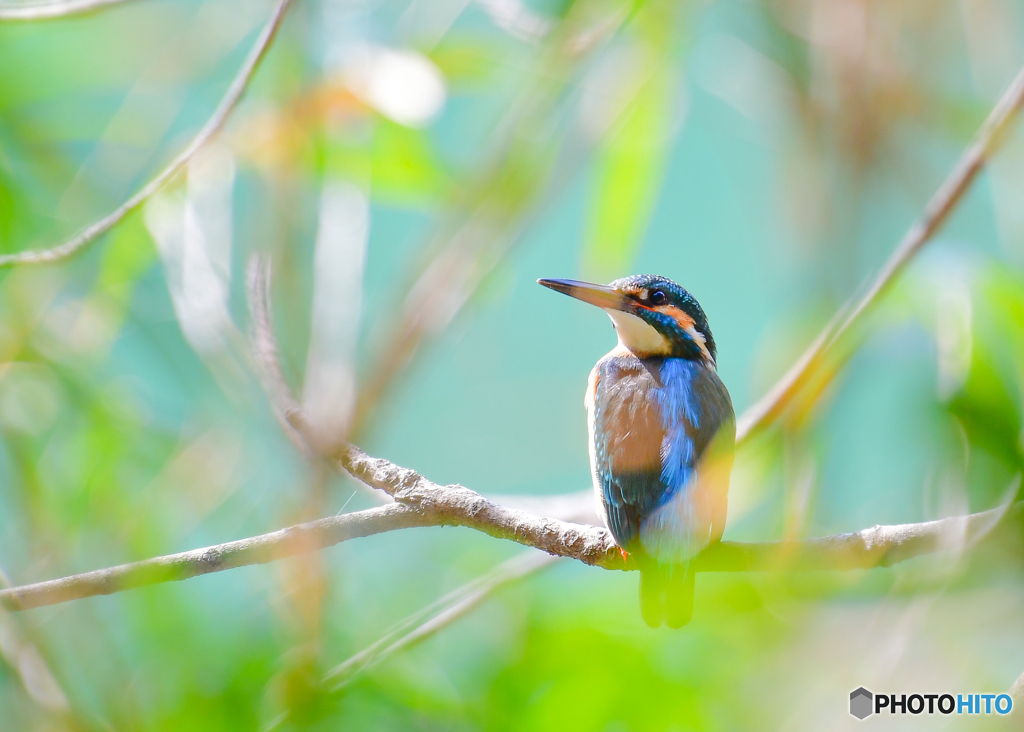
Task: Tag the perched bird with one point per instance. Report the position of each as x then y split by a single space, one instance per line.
662 432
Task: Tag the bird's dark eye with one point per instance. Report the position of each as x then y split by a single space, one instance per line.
658 297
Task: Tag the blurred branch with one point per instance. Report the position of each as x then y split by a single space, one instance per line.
985 143
1017 690
25 659
424 623
420 502
52 10
265 354
210 130
577 506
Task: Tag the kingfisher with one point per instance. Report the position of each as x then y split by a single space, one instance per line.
662 433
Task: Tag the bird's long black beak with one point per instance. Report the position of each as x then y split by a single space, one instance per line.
601 295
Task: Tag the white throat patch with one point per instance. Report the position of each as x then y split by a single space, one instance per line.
636 335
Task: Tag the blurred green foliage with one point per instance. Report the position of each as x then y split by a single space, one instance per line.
629 162
766 155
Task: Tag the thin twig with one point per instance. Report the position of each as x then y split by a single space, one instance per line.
1017 690
986 142
25 660
420 502
24 12
429 620
265 351
212 127
265 356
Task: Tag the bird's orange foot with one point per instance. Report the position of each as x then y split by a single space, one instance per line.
625 554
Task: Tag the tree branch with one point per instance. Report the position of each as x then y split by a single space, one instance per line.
262 549
23 12
454 505
985 143
210 130
420 502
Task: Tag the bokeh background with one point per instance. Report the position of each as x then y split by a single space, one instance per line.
410 168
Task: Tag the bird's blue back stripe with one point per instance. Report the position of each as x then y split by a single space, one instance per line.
679 406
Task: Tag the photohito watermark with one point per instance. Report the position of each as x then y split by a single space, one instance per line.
863 703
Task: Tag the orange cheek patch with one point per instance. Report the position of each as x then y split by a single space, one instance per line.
687 323
680 316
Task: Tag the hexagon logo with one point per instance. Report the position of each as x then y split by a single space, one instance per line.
861 703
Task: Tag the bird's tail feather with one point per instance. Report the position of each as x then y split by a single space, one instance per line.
666 595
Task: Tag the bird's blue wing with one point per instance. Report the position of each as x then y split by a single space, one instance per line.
652 422
696 414
695 408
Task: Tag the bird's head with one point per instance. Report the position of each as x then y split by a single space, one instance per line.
653 316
